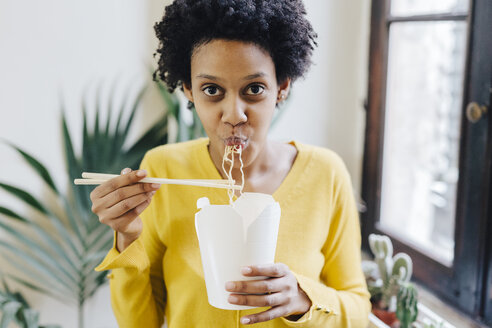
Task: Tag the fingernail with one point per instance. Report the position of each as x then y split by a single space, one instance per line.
245 321
233 299
125 171
153 193
156 185
246 270
141 173
230 285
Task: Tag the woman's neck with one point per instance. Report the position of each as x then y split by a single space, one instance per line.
252 169
267 171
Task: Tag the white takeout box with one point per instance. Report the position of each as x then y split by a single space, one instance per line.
233 236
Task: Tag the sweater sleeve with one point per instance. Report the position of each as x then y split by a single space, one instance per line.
136 281
339 297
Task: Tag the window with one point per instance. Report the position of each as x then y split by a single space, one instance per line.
427 158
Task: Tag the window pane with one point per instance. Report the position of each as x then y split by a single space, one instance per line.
421 136
422 7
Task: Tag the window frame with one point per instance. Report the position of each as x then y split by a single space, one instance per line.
466 285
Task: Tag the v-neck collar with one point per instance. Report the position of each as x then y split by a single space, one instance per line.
289 183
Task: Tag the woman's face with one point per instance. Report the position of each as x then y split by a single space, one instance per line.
235 90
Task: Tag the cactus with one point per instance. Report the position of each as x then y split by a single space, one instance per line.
406 309
394 272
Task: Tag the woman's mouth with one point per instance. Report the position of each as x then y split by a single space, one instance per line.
236 141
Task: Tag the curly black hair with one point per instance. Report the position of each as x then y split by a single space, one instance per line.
278 26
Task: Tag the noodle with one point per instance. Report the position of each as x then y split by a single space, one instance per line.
229 151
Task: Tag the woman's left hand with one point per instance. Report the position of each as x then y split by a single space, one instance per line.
280 291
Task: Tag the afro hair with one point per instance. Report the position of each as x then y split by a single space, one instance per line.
278 26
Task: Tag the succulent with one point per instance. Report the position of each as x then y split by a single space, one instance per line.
390 286
406 309
394 271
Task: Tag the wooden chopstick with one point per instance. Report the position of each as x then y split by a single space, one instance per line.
99 178
105 176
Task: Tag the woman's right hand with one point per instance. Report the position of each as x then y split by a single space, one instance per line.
118 203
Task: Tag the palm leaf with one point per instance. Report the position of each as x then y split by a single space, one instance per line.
60 263
98 232
38 264
37 166
24 196
135 106
87 148
29 317
119 135
23 315
97 279
9 312
171 101
198 130
31 201
185 131
158 133
96 123
36 286
46 236
74 169
73 164
79 229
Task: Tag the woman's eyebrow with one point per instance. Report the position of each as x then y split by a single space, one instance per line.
254 76
207 76
215 78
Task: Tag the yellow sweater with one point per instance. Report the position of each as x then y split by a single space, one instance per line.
319 239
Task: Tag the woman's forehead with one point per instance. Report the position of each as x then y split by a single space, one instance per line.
225 58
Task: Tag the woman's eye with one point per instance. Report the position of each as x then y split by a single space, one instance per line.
211 91
255 90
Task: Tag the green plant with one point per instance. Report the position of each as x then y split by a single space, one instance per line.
15 309
388 280
393 271
54 250
186 130
67 239
406 309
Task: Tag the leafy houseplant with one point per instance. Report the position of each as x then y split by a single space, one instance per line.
186 131
392 295
69 239
16 309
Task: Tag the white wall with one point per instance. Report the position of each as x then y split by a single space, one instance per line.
54 47
58 47
326 107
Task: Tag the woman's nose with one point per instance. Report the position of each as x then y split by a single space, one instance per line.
234 111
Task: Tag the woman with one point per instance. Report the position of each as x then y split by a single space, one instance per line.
235 61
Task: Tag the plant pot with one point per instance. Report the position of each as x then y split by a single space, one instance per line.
387 317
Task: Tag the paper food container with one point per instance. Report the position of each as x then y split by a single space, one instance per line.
233 236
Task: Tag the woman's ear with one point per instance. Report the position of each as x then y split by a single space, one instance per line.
187 91
283 90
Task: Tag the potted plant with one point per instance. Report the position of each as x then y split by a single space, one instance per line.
15 309
393 296
69 240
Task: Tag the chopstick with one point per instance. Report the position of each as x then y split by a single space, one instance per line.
99 178
106 176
